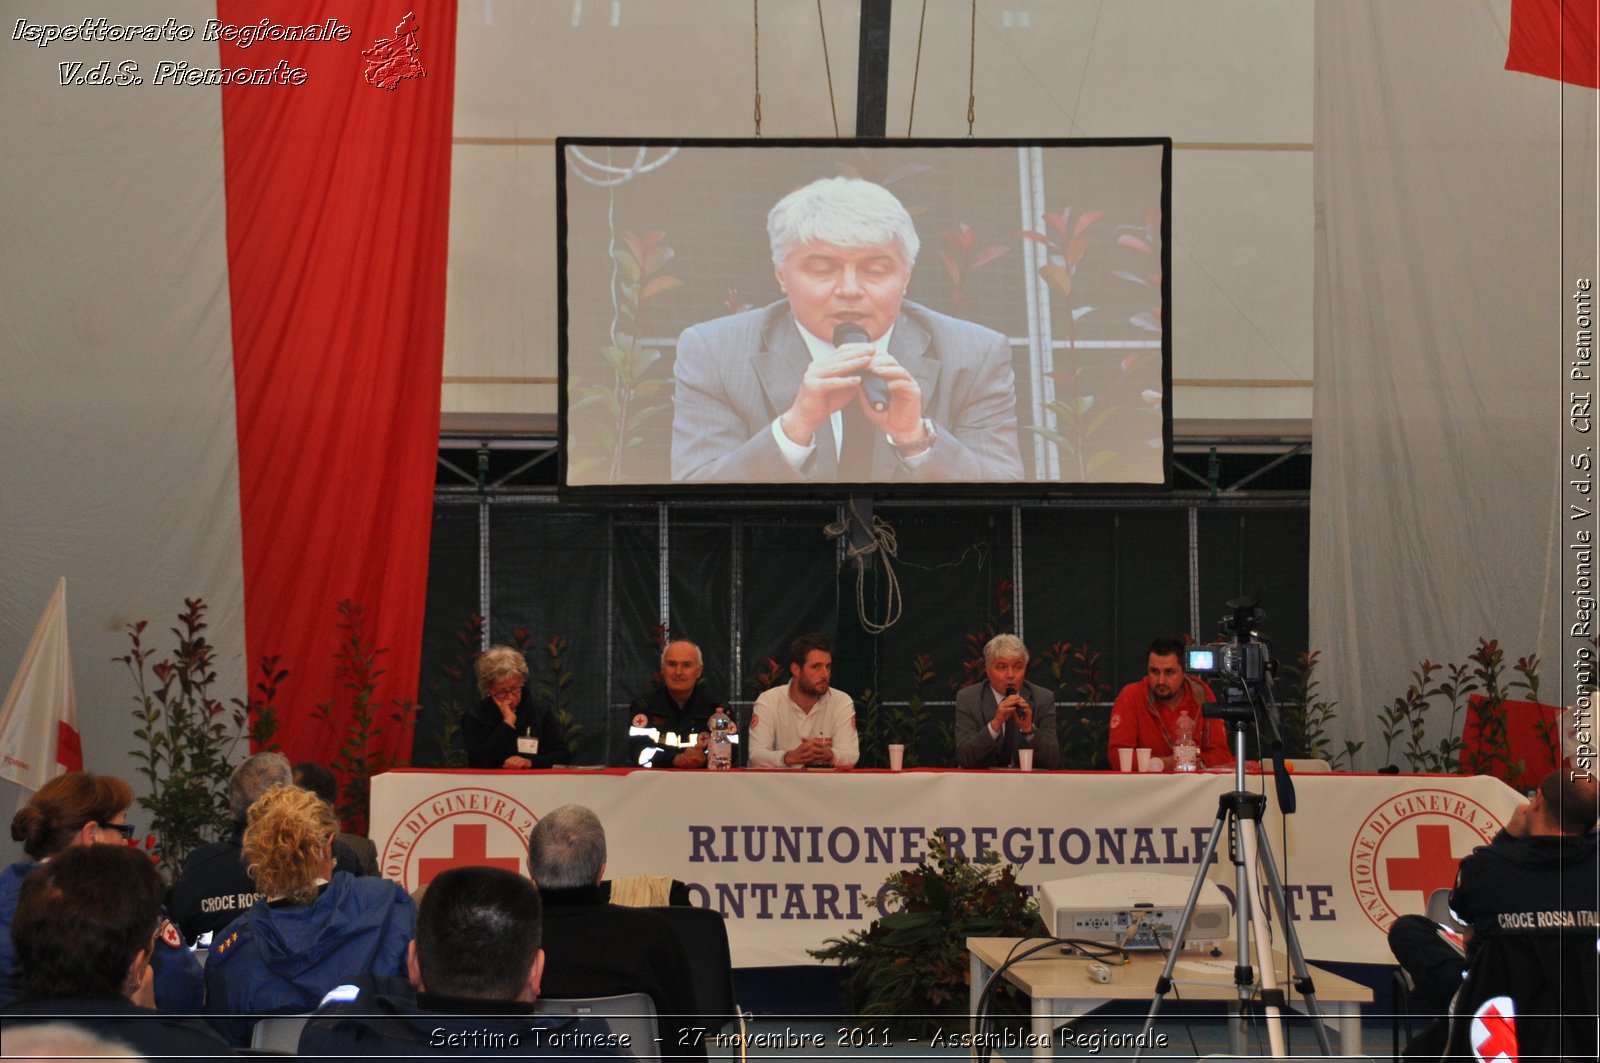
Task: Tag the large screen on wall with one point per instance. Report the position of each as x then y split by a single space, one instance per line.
896 316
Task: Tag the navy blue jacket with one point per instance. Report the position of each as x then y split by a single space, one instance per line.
277 960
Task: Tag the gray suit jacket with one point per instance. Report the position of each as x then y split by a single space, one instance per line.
737 374
975 707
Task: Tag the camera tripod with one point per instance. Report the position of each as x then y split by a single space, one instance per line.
1240 814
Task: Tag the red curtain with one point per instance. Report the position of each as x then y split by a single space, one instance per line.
338 195
1556 39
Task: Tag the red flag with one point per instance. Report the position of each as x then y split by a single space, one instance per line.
1556 39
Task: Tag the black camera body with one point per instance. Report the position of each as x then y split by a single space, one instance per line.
1239 667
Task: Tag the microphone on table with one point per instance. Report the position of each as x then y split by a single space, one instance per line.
874 387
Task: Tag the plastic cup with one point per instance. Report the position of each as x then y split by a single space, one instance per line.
1142 757
897 757
1125 759
1025 759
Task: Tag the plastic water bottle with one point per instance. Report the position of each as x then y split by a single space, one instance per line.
1185 749
719 750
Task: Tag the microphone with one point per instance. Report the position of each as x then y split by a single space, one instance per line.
1012 691
872 385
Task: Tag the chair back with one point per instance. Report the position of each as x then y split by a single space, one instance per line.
278 1033
704 934
630 1015
1439 910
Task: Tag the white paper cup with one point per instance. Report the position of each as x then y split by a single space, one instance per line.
1025 759
897 757
1125 759
1142 757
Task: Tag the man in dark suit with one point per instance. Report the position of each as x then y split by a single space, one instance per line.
1005 713
596 949
780 394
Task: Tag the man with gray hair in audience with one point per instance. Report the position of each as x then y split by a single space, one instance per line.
596 949
214 888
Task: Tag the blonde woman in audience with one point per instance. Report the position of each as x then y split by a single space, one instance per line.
313 929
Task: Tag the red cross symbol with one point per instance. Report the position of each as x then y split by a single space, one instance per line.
469 845
1433 868
1494 1035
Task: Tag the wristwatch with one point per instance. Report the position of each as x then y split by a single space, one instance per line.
912 449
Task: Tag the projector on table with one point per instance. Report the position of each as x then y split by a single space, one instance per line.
1134 910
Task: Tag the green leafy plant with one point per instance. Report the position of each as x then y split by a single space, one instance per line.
554 677
869 727
456 691
1494 754
188 737
909 968
260 708
633 396
357 715
962 258
905 723
1307 716
1082 724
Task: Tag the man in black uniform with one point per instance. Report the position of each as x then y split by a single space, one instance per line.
214 888
1544 861
668 725
474 969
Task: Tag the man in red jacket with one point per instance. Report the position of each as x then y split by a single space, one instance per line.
1147 712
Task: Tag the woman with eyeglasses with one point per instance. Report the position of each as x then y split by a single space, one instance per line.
80 808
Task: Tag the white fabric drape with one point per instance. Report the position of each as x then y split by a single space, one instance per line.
117 440
1442 333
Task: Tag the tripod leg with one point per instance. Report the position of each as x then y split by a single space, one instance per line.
1299 972
1249 908
1182 929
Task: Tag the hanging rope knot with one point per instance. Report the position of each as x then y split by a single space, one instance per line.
880 539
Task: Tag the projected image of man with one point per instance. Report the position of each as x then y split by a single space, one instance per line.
845 380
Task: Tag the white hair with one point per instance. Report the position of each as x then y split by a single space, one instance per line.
845 212
699 658
1003 646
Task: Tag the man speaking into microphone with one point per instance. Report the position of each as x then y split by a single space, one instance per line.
1005 713
845 380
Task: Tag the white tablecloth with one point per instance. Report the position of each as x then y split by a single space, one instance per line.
794 858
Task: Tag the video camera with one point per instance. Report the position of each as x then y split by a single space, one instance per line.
1239 669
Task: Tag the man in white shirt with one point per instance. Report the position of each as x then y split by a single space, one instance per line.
806 722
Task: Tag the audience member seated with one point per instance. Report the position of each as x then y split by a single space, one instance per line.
1542 870
320 781
508 729
80 809
214 888
314 927
595 949
474 974
86 925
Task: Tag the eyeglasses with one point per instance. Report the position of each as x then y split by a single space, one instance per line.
125 829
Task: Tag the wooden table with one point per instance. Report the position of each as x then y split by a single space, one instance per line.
1061 990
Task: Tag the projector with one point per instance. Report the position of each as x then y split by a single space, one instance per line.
1132 910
